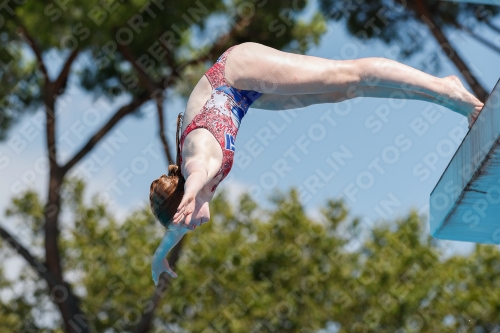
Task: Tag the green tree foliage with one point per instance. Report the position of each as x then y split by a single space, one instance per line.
133 46
255 270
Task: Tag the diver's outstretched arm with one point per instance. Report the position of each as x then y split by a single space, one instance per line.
196 177
159 263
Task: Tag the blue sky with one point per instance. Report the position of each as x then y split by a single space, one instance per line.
382 156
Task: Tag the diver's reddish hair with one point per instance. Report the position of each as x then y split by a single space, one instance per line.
166 192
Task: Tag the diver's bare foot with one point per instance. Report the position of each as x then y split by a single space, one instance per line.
473 116
462 100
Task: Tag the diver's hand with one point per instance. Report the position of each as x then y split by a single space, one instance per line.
160 265
185 209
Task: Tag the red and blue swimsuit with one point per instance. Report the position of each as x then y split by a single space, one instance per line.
222 113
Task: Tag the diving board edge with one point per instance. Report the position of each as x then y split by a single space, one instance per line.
468 180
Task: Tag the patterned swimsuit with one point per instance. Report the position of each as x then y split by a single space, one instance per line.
222 113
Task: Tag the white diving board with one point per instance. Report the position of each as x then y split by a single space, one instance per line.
465 203
481 2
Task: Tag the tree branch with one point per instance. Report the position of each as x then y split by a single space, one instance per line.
156 92
217 49
68 305
122 112
147 317
424 14
62 79
163 138
48 98
220 46
143 76
39 267
36 49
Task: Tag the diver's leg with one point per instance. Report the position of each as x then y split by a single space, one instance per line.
257 67
286 102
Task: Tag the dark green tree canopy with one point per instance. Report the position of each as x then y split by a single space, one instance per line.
253 270
132 47
398 22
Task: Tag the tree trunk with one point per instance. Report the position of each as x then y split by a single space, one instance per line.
61 294
424 15
52 207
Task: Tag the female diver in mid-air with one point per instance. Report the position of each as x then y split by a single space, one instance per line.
257 75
